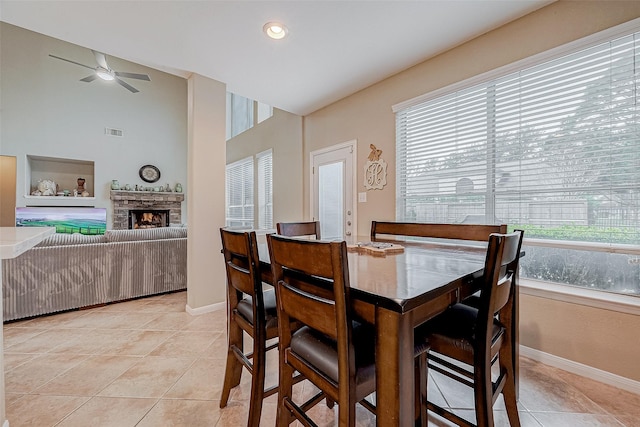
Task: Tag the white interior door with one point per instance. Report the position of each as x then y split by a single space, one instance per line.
333 189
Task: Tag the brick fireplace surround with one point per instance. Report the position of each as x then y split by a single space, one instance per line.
123 201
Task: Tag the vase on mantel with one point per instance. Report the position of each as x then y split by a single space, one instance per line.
115 184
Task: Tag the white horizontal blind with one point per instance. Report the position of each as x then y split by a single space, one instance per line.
552 147
265 189
239 193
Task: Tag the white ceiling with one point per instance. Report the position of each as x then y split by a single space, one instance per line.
334 48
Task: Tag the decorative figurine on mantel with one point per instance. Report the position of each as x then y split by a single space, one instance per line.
167 188
178 188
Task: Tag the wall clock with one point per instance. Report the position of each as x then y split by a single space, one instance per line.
149 173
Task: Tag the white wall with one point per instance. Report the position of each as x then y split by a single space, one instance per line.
47 111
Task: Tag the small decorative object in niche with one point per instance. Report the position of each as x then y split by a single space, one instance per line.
81 182
46 187
149 173
375 170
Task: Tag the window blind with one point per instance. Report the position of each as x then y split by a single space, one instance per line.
239 193
554 147
265 187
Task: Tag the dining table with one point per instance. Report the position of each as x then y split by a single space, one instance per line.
396 292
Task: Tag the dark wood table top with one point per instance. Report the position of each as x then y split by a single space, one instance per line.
403 281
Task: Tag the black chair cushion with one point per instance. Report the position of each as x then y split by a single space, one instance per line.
453 331
321 352
245 308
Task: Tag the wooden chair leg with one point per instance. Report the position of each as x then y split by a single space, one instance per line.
233 371
257 384
285 393
509 393
420 392
483 392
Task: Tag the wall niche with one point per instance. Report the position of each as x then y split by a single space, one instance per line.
65 173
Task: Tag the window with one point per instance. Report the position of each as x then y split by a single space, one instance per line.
240 195
553 148
265 197
244 113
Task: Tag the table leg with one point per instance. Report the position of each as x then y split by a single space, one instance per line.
394 368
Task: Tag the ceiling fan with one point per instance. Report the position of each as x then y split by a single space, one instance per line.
106 73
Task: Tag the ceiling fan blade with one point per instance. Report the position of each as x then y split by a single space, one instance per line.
101 59
89 78
73 62
126 85
133 76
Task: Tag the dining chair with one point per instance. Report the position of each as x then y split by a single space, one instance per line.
476 232
332 349
478 337
292 229
249 310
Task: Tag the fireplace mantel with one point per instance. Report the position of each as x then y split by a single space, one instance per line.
124 200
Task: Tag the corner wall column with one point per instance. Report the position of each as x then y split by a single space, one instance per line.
206 161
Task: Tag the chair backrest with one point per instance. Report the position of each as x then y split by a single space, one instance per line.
242 265
312 286
499 277
292 229
477 232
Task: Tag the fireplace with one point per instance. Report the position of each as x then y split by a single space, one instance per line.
148 218
168 204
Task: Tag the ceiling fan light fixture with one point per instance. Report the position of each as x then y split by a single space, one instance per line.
275 30
104 74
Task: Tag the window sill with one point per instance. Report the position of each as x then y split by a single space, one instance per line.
598 299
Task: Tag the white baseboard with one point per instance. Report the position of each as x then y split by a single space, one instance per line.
582 370
206 309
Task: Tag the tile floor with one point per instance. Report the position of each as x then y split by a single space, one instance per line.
148 363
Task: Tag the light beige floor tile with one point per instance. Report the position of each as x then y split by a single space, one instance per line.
42 410
45 341
203 380
613 400
555 419
215 321
109 412
89 376
13 360
186 343
112 320
628 421
110 351
92 341
218 348
134 305
171 321
541 389
38 371
138 343
182 413
151 377
13 336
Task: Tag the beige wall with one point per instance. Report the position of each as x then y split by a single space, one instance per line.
599 338
283 134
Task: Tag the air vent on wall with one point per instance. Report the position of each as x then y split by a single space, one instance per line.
113 132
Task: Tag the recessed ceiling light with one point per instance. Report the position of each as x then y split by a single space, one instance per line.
275 30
